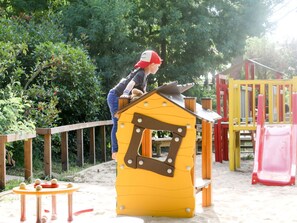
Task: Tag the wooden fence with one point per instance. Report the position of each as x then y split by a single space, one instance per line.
27 138
47 134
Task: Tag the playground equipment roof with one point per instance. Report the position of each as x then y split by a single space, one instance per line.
234 70
172 91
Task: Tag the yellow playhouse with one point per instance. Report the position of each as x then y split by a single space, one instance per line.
152 187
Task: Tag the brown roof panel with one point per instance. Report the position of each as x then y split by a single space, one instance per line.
172 91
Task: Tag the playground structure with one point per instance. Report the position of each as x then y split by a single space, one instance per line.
237 104
276 145
151 187
40 189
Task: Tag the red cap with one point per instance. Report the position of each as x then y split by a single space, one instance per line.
148 57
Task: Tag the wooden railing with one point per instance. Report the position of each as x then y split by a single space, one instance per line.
27 138
63 130
47 134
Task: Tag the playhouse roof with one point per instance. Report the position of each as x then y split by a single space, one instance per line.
234 70
172 91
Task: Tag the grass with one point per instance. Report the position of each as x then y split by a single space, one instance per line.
250 156
12 183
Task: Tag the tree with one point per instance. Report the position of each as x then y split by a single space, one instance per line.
196 37
103 26
25 9
289 53
59 78
193 37
68 73
281 57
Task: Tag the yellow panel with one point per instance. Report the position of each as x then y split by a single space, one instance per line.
143 192
162 109
158 206
140 177
151 191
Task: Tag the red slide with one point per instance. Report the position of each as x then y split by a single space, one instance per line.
275 151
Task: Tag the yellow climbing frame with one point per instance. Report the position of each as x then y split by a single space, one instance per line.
242 104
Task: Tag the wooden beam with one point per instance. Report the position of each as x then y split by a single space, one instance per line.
68 128
17 137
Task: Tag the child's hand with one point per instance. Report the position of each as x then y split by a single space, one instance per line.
125 96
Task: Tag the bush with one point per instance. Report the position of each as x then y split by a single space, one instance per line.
13 108
44 82
68 73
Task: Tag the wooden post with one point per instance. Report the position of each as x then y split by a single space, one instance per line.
123 102
2 164
206 103
147 143
102 133
206 156
80 147
28 159
92 146
190 103
48 155
64 151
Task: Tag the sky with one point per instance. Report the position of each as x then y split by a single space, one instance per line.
285 17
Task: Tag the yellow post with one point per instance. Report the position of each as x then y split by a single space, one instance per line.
237 148
237 115
206 155
231 131
294 84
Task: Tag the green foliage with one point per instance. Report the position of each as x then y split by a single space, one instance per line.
280 57
11 184
104 28
44 106
289 55
68 73
13 109
195 38
203 91
14 105
25 9
9 64
56 76
19 31
58 79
